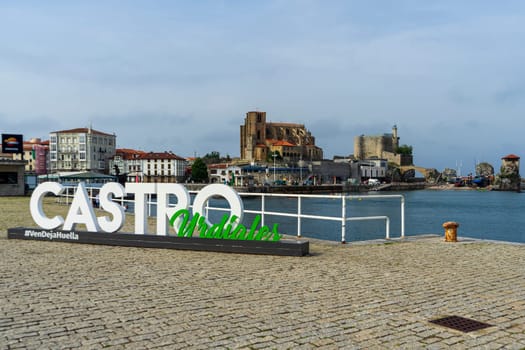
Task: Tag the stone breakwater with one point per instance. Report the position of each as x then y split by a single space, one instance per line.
360 295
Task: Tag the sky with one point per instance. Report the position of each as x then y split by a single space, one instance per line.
180 75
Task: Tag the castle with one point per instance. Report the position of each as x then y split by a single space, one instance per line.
384 147
260 140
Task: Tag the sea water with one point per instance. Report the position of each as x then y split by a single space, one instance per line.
487 215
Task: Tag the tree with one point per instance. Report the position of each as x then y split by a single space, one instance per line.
405 150
277 156
212 157
199 171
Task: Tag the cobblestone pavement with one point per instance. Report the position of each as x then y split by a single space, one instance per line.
354 296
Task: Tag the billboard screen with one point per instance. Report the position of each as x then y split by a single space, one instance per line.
12 143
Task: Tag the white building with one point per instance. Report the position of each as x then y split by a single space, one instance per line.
81 149
226 174
128 163
163 167
373 168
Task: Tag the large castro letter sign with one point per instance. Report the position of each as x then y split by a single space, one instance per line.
81 210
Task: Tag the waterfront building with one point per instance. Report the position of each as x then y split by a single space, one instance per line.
162 167
260 140
512 162
81 149
328 172
226 174
373 168
127 163
36 155
509 178
381 147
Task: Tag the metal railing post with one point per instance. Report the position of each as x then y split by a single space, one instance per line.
262 210
299 216
149 204
343 219
387 227
402 216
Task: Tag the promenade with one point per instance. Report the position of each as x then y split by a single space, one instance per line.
371 295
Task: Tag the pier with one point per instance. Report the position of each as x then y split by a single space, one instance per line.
363 295
374 294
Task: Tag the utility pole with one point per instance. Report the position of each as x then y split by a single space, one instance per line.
274 155
301 167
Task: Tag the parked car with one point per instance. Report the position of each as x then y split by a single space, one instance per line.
373 182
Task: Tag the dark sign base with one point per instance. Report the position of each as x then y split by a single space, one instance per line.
283 247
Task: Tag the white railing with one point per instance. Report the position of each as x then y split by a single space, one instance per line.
343 218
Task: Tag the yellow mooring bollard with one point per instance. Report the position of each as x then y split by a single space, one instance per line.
451 231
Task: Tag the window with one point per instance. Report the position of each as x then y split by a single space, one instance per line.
53 139
8 178
82 138
82 156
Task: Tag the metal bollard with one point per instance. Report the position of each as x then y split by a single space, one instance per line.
451 231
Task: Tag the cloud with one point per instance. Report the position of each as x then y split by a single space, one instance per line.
180 76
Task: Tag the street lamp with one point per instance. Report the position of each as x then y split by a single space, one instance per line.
274 155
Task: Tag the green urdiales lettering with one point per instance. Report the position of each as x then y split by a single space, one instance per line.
185 230
225 229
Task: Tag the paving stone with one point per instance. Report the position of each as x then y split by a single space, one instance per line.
59 295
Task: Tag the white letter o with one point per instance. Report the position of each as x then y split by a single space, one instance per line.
224 191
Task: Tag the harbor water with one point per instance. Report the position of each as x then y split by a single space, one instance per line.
486 215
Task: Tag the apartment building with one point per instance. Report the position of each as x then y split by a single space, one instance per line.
140 166
226 174
81 149
163 167
127 163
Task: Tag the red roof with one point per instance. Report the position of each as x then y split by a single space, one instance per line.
283 143
127 153
511 157
29 145
160 155
83 131
218 166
